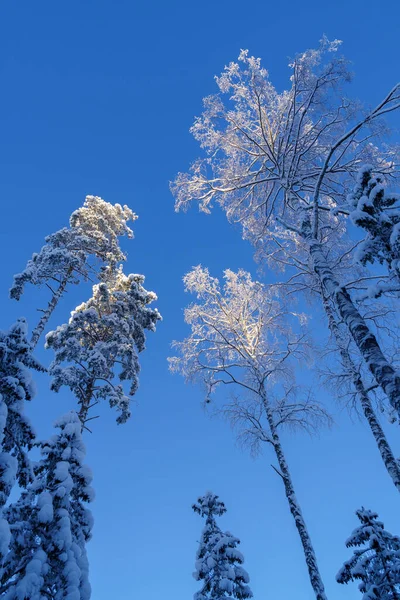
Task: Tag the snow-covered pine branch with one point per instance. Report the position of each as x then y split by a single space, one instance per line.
73 253
375 561
16 433
103 336
51 524
218 561
241 337
282 165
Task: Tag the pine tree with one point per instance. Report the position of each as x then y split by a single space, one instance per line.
107 331
75 252
51 524
376 560
16 433
218 562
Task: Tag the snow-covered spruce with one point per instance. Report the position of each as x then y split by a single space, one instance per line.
377 211
51 524
241 335
72 253
16 433
282 164
218 562
104 334
375 561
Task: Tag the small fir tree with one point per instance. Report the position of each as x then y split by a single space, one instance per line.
51 524
218 563
16 433
376 559
377 211
74 252
106 331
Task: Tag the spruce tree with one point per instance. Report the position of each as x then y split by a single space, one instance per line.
75 252
375 561
16 433
218 563
51 524
377 211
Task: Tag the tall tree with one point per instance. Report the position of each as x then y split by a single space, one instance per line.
75 252
104 334
218 563
16 433
376 560
282 164
352 372
240 336
51 524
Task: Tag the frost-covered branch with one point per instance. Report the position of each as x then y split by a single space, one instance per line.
106 331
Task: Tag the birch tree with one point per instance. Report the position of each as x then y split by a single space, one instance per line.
283 164
101 341
218 561
375 561
240 337
73 253
358 386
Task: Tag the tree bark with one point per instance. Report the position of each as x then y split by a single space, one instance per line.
385 450
311 559
85 403
385 375
37 332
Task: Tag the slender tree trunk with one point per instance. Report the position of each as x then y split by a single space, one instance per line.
385 450
311 559
385 375
37 332
85 403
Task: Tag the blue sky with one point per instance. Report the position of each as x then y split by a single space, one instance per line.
97 98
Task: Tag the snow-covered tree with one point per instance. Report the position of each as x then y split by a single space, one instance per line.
357 387
90 242
282 164
16 432
375 561
218 561
377 211
51 524
104 334
241 337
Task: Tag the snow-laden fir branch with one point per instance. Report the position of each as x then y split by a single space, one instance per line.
50 523
218 561
376 559
16 433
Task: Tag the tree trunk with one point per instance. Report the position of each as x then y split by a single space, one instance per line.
385 375
311 559
37 332
85 403
369 413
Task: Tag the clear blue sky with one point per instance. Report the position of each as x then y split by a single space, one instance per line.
97 98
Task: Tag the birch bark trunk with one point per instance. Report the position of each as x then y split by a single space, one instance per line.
311 559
